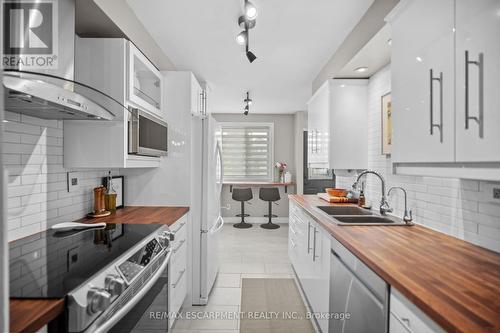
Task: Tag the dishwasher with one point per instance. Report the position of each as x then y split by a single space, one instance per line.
359 298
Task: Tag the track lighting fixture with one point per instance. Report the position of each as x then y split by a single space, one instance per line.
242 37
250 10
248 102
251 57
247 22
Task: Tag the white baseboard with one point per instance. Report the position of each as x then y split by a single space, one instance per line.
255 219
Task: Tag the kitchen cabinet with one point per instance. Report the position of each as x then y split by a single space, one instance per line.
308 249
405 317
103 63
423 82
445 74
348 124
144 81
198 98
184 93
318 118
177 270
478 78
337 125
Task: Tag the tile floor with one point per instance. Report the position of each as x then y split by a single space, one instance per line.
253 252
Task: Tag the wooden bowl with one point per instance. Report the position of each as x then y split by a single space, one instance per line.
336 192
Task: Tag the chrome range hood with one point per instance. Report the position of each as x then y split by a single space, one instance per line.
52 92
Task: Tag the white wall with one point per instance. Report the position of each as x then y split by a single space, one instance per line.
37 190
461 208
300 126
284 150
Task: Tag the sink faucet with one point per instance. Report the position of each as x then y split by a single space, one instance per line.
407 215
384 205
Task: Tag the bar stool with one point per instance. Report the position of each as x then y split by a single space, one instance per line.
269 194
242 195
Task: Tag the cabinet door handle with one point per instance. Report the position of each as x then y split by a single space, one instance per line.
174 285
179 246
309 237
314 244
315 141
406 321
480 118
440 125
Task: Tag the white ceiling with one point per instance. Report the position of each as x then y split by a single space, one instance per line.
293 39
374 55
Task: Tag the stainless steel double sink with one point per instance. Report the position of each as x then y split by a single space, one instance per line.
352 215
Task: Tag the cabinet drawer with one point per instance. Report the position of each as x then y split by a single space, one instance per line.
179 254
179 225
177 292
410 316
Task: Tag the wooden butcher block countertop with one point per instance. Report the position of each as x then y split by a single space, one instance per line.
142 215
31 315
455 283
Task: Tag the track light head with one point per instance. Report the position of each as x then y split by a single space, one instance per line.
250 10
242 37
251 57
245 113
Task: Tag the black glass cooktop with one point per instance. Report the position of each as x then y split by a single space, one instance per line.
50 264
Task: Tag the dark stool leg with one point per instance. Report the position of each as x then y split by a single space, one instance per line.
242 224
270 224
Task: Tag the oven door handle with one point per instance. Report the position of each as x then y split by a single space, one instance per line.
133 301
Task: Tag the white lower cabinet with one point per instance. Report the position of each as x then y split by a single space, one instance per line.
309 247
177 288
405 317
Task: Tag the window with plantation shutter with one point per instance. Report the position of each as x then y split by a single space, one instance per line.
247 151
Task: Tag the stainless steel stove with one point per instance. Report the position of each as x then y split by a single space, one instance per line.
103 274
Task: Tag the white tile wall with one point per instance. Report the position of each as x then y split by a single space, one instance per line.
37 190
461 208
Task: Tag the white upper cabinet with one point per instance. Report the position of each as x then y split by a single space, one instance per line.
348 124
198 98
103 63
337 125
423 82
445 79
144 82
478 80
318 119
184 93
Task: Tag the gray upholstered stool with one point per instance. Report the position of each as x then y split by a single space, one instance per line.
269 194
242 195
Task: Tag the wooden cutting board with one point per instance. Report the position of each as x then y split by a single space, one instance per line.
328 198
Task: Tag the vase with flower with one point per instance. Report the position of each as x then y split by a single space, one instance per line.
281 166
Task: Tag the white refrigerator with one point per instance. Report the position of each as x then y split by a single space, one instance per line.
206 191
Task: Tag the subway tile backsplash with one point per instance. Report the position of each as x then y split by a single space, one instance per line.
37 190
461 208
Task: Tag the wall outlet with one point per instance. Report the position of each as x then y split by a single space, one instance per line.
73 181
496 193
72 258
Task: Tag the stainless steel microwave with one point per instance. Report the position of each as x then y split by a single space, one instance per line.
147 134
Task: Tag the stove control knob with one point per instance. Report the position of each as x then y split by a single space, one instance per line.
98 300
114 284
